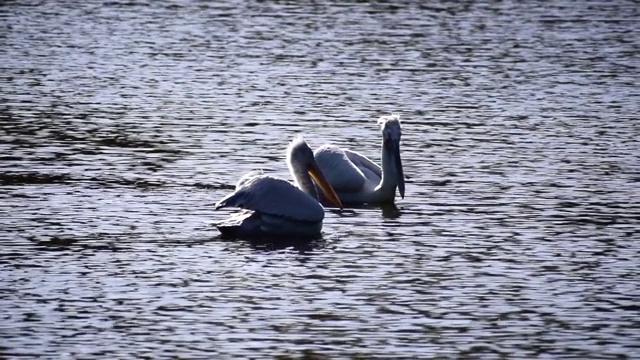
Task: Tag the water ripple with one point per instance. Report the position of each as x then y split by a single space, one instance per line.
122 123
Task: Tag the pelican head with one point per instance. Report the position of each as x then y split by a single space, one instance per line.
303 167
391 133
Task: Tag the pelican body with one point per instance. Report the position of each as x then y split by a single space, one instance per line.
357 179
275 207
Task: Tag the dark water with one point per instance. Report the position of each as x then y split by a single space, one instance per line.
122 122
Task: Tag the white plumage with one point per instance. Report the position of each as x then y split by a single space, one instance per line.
274 196
275 207
357 179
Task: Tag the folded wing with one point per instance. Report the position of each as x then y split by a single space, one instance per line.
371 170
272 196
338 169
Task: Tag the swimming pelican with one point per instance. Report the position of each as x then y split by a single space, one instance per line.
357 179
274 206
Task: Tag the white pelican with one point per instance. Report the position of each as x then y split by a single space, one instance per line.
357 179
274 206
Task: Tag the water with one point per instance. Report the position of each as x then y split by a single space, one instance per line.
123 122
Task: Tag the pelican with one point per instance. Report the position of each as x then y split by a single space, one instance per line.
359 180
275 207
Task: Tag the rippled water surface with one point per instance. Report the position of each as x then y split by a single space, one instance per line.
121 123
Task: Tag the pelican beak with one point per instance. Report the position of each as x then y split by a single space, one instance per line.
327 189
395 150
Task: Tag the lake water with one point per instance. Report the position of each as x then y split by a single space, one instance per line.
122 122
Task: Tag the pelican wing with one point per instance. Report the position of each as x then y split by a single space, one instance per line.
339 170
371 170
273 196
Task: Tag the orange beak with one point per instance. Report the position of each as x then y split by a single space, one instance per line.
327 189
